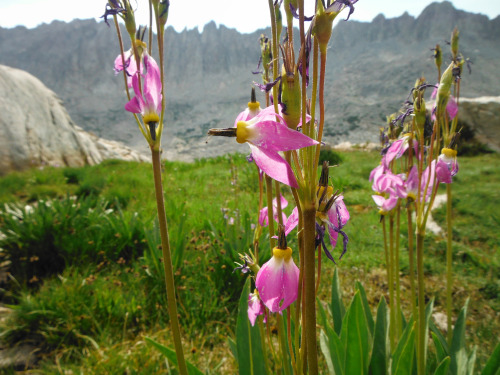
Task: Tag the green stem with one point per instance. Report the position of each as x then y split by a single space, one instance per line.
422 334
282 344
167 262
449 260
392 314
263 343
399 323
411 257
309 213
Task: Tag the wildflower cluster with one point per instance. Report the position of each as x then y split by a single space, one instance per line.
285 138
418 154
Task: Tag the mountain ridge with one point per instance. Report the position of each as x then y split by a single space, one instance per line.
371 68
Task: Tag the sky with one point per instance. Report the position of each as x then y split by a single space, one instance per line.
244 15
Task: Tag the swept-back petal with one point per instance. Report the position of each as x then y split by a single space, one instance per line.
290 283
292 221
274 165
278 137
269 283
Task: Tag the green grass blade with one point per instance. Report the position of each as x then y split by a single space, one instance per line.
333 350
458 352
337 306
366 307
471 362
442 369
440 350
402 361
172 357
428 314
325 348
380 355
357 339
492 367
248 342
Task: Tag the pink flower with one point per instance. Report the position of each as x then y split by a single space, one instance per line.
385 204
278 280
249 113
263 215
148 102
397 149
447 165
255 307
266 137
130 65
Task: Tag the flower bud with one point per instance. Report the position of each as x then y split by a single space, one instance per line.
419 111
291 97
322 26
163 7
128 17
454 43
438 56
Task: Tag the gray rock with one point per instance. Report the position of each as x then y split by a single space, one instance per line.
35 129
482 116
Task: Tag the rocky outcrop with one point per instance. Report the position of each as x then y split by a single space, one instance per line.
35 129
482 116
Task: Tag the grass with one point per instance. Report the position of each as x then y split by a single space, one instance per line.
90 311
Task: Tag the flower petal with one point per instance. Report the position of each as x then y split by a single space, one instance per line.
269 283
274 165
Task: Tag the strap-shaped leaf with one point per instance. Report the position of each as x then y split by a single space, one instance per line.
381 351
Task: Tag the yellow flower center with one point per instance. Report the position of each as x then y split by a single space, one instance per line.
280 253
242 132
253 106
449 152
151 117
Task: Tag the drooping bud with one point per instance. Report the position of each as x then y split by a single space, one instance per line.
454 43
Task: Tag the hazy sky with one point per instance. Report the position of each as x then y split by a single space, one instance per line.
244 15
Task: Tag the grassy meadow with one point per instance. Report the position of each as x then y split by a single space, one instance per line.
85 279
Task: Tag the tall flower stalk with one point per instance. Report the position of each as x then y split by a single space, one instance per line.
148 107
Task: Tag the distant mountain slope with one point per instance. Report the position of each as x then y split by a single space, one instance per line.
371 68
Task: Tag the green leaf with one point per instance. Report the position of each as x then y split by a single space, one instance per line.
172 357
337 306
440 350
322 316
357 338
366 307
458 353
402 362
232 347
248 340
333 350
471 362
380 354
440 337
442 369
325 348
428 314
493 365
